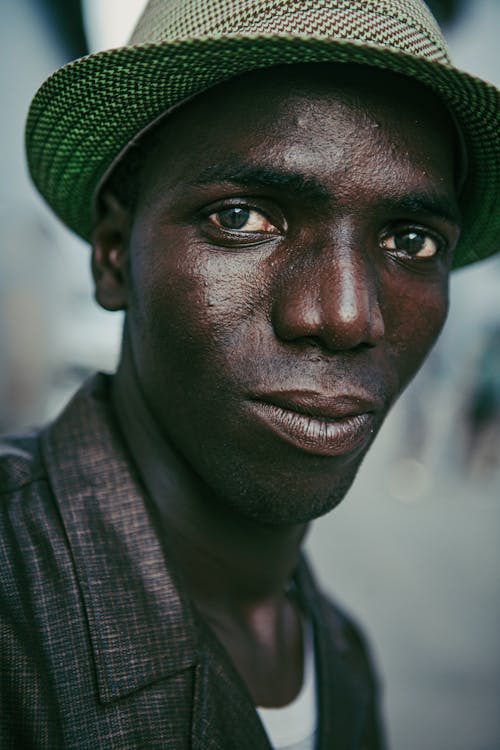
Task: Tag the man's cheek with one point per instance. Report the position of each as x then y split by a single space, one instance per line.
415 335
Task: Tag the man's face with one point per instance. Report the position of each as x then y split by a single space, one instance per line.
287 274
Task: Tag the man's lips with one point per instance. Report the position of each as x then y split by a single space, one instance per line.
323 424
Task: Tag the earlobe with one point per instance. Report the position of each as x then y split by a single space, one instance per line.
110 254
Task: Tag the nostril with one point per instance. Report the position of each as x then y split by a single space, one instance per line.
331 303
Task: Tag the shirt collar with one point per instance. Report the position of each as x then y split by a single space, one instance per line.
131 597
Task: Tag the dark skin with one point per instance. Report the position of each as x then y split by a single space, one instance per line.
284 272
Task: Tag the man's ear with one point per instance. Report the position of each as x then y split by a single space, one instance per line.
110 254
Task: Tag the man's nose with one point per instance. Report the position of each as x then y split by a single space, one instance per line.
330 299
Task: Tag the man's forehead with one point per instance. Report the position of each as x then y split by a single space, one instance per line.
277 109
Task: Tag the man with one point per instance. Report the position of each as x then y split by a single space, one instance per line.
276 198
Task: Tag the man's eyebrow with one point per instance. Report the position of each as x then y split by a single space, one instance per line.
432 203
256 176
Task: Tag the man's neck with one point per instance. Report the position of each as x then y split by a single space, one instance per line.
227 561
237 572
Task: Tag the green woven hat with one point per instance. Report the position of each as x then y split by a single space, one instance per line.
84 116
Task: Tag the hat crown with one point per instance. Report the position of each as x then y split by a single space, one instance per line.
406 25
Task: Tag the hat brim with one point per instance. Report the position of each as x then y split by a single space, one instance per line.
87 112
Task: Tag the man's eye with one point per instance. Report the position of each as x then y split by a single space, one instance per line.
412 242
242 219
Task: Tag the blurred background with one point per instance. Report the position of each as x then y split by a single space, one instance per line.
414 551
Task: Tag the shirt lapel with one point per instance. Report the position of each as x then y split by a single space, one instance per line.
142 628
224 714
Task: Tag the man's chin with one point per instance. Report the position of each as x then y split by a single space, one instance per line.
290 502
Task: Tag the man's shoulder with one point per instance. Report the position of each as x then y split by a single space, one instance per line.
30 458
26 500
21 462
21 455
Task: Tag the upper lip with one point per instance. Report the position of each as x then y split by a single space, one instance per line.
322 405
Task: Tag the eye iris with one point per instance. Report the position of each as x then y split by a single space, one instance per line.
234 218
410 242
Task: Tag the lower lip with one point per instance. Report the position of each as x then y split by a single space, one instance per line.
322 437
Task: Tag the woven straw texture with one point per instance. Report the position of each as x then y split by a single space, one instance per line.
84 116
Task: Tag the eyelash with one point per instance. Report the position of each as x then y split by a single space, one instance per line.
415 230
239 234
248 209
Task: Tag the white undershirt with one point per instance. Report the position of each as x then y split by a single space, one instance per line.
294 726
